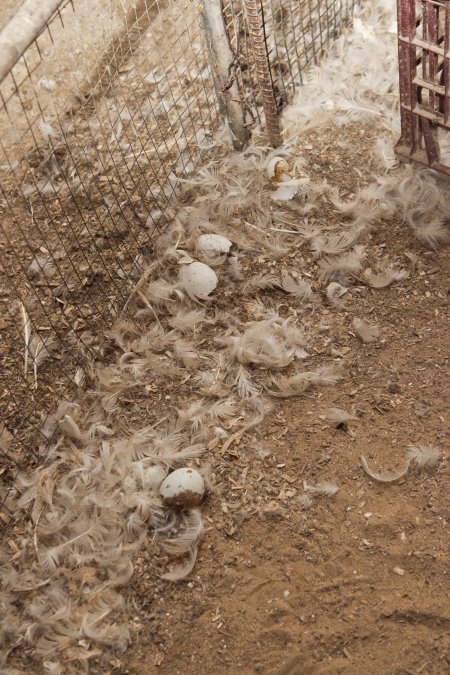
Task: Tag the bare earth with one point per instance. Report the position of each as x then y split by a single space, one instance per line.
360 581
357 583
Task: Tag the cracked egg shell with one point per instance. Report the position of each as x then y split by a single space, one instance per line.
276 168
182 489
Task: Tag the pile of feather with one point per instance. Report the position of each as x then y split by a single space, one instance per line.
230 314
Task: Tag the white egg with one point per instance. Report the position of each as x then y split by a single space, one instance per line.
198 280
213 244
276 168
183 489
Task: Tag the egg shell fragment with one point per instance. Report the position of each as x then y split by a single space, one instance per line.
276 168
183 489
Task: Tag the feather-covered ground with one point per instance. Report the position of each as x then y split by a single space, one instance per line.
324 341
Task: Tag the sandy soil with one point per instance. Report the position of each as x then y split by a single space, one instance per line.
359 581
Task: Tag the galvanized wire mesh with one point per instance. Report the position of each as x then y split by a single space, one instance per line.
108 104
105 106
296 35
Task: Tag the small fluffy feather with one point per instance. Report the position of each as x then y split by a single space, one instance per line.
297 287
350 263
334 292
245 386
365 331
258 345
326 488
425 456
298 384
187 321
187 534
41 266
335 244
182 570
261 282
339 416
384 278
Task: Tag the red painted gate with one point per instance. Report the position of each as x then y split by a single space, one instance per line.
424 56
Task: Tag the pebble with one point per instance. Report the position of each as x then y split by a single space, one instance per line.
399 571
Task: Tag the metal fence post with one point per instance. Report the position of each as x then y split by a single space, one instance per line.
263 71
222 62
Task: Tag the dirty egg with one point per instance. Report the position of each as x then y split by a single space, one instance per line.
277 168
183 489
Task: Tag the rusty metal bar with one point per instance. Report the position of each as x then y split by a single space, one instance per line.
424 76
263 71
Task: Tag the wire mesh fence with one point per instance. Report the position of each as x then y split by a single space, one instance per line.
295 36
108 104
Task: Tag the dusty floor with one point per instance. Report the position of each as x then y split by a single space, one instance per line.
359 581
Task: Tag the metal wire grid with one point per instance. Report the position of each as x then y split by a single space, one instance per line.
104 108
296 34
424 66
98 115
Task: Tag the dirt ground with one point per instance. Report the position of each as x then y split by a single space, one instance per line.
362 580
358 581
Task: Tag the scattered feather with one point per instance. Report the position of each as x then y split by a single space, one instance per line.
258 345
350 263
425 456
385 278
181 571
187 534
261 282
335 244
285 192
334 292
298 288
326 488
41 266
26 335
245 385
235 268
365 331
187 321
434 233
300 383
386 476
39 350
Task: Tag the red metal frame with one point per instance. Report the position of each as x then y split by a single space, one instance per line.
424 67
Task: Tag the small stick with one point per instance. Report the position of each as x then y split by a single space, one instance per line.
26 335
